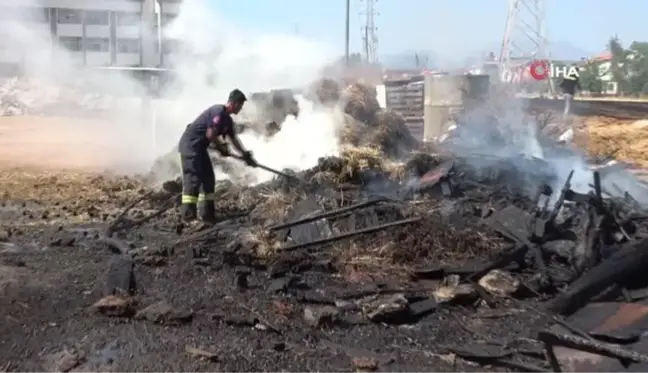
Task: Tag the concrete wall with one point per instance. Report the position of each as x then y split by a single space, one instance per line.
95 32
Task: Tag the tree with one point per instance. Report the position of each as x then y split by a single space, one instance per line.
618 65
590 78
638 67
629 67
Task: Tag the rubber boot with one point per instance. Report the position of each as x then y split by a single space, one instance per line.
189 212
208 213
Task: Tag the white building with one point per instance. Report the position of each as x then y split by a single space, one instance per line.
95 32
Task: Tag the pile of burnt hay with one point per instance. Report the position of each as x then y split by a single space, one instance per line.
324 91
366 124
364 164
436 238
360 102
354 165
353 132
391 135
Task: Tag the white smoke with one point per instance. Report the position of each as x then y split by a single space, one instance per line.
300 142
220 57
236 58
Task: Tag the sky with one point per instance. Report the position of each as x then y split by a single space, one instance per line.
447 27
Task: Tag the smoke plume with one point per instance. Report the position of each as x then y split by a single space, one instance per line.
217 57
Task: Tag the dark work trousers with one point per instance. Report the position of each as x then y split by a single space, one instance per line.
198 179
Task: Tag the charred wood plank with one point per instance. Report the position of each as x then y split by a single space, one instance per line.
625 262
120 278
112 227
351 234
327 214
591 345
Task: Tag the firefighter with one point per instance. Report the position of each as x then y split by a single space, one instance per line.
212 126
569 85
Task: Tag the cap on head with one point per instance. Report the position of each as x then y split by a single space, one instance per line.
236 96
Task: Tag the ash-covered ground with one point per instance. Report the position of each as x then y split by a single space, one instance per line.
388 257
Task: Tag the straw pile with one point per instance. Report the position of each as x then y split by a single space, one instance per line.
324 91
350 167
624 140
369 125
361 103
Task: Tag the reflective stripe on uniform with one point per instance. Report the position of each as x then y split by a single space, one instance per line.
187 199
206 197
569 77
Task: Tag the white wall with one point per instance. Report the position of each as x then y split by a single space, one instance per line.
97 58
65 29
93 31
381 96
128 31
128 59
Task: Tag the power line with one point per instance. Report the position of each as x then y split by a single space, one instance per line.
369 32
524 40
347 32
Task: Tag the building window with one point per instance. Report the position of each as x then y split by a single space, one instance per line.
68 16
128 46
128 19
97 45
97 17
71 43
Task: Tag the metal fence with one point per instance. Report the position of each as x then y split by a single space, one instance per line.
429 102
406 97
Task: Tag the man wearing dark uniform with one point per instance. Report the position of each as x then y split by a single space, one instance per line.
569 85
198 179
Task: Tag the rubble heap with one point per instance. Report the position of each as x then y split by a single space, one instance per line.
464 227
510 260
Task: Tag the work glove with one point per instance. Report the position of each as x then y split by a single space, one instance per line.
222 149
249 159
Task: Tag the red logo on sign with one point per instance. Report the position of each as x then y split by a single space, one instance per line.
539 70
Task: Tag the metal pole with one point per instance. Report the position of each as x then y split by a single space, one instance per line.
347 32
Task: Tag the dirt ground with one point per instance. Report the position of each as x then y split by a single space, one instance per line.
54 208
70 144
56 205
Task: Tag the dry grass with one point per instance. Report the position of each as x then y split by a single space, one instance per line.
360 263
263 242
623 139
48 186
274 205
361 102
361 158
352 132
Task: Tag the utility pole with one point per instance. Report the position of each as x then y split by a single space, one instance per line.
524 41
370 37
347 34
